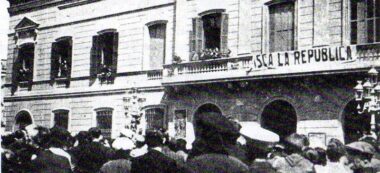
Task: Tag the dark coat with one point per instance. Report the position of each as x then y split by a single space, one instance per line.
217 163
154 162
116 166
91 157
47 162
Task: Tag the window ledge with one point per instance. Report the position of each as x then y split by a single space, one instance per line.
77 3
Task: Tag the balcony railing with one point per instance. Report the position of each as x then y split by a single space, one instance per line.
154 75
316 60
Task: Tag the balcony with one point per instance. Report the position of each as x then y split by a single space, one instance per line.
324 60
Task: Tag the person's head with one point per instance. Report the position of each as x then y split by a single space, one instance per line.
42 137
335 150
83 137
59 138
181 145
95 132
295 143
139 141
321 156
153 138
360 154
311 155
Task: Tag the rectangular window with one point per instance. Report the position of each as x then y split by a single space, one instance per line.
104 54
23 65
61 59
155 118
61 118
281 27
104 121
365 20
209 38
157 35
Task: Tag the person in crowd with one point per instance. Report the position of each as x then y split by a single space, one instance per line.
336 158
154 161
375 161
53 159
141 147
360 154
93 154
216 163
294 161
181 149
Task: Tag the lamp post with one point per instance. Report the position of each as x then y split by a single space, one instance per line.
367 96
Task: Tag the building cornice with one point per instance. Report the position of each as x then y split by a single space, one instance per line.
84 93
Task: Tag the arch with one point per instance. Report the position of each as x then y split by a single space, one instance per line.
23 119
63 38
205 108
280 117
212 11
354 124
156 22
105 31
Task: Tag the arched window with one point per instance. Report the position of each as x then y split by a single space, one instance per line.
104 121
365 21
155 118
157 36
22 120
61 118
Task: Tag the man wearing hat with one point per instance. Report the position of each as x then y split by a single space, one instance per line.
154 161
360 154
294 161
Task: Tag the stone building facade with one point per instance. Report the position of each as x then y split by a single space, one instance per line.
289 66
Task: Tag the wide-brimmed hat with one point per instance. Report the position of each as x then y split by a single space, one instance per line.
296 141
362 147
123 143
256 132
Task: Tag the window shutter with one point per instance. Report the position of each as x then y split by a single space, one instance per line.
31 67
115 53
69 58
16 67
54 61
199 34
192 40
224 33
95 52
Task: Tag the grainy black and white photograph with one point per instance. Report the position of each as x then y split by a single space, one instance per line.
190 86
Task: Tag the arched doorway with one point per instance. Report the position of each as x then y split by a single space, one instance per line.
202 110
22 120
354 124
280 117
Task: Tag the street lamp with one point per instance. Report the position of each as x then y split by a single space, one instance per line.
368 96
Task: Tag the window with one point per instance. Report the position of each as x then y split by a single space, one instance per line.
281 27
61 118
365 21
104 121
209 39
157 33
23 64
155 118
61 58
104 54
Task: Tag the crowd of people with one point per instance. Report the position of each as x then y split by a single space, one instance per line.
220 146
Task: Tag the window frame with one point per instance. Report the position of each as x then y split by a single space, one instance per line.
53 77
348 24
272 6
101 109
148 42
17 66
55 111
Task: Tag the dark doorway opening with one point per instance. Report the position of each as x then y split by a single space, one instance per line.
280 117
354 124
23 119
201 111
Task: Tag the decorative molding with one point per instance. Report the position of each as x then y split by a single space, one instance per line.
77 3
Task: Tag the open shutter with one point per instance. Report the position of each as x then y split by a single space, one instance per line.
95 52
54 61
16 67
224 33
115 53
69 58
31 74
196 38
